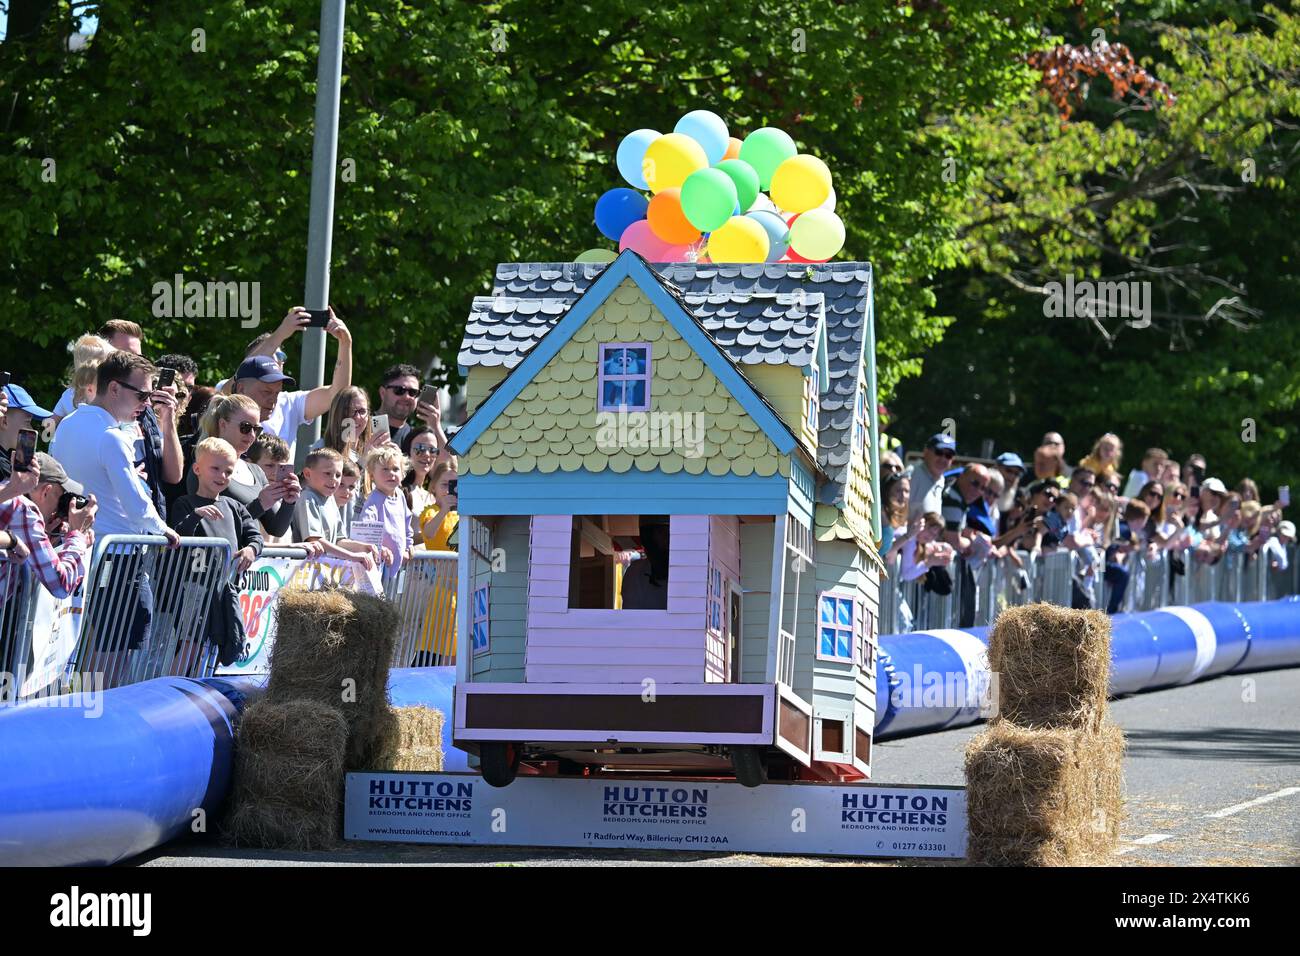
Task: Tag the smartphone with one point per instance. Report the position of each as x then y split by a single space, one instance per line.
194 422
319 318
378 424
1284 495
429 395
283 471
26 449
4 379
166 378
451 486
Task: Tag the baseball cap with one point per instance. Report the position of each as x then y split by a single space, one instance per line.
1009 459
1287 528
941 442
52 472
264 369
1215 485
20 399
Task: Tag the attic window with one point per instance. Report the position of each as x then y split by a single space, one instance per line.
624 377
814 397
860 423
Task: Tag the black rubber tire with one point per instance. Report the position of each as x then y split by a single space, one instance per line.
499 763
747 761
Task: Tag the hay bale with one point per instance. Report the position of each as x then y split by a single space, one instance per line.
336 647
412 740
1052 666
1046 797
288 778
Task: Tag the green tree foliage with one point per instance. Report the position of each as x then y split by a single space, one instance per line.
1195 193
479 132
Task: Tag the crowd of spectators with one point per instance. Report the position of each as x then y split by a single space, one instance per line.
139 447
1011 510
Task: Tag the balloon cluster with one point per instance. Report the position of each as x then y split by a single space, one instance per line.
716 198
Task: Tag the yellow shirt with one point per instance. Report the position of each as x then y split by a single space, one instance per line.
438 539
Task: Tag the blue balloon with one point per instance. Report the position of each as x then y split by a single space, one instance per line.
631 154
618 209
778 233
708 130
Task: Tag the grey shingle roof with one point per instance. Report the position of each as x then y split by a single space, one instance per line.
761 312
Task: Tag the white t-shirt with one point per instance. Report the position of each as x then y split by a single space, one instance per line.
289 414
1273 551
1136 479
927 492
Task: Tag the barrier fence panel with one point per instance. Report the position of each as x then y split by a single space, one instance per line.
425 595
16 631
146 608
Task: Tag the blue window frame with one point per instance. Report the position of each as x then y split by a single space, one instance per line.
814 397
479 620
836 620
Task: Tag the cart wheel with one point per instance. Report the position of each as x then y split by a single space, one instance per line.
499 763
747 761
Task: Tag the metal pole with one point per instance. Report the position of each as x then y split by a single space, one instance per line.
320 224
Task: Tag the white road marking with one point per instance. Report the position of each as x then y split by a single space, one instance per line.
1267 798
1147 840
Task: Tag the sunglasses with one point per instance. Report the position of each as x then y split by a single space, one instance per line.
944 453
1111 488
400 390
1179 496
141 393
423 449
248 428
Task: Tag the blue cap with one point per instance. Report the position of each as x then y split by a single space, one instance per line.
1009 459
942 442
264 369
21 400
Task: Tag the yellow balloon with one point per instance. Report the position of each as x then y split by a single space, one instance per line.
817 234
670 159
739 239
801 183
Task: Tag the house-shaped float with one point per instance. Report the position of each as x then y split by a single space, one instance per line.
711 424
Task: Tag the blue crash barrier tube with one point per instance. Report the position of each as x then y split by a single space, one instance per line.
95 778
938 680
430 687
1154 649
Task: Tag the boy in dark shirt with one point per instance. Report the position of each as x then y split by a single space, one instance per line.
210 514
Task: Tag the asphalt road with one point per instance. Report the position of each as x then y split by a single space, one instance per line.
1212 777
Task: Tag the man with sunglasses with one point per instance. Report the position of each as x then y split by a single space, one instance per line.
928 479
399 398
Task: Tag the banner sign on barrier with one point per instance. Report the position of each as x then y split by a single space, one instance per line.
261 585
56 627
657 814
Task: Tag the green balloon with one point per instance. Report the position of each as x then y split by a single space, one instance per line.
765 149
745 178
708 199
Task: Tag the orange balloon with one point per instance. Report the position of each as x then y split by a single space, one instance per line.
667 221
733 148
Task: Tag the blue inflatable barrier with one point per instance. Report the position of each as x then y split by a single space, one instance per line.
95 778
1154 649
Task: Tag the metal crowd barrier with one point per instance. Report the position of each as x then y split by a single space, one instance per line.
1053 577
146 608
425 594
16 631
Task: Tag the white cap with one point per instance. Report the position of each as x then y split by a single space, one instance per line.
1287 528
1215 485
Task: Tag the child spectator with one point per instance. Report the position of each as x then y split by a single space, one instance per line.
439 522
210 513
1128 538
87 352
346 494
317 517
386 505
1105 455
924 551
270 453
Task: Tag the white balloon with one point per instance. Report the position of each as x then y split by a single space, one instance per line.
762 204
829 204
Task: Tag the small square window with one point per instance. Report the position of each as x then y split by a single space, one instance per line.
624 377
479 620
837 633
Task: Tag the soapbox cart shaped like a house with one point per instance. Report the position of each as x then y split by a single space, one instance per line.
730 405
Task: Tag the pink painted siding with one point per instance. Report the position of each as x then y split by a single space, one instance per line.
575 645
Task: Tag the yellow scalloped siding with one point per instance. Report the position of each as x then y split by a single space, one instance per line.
479 382
551 425
855 520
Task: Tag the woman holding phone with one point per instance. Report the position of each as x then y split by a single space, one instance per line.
237 420
349 430
420 446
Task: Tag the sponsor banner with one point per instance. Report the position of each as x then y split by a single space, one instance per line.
56 627
262 584
657 814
